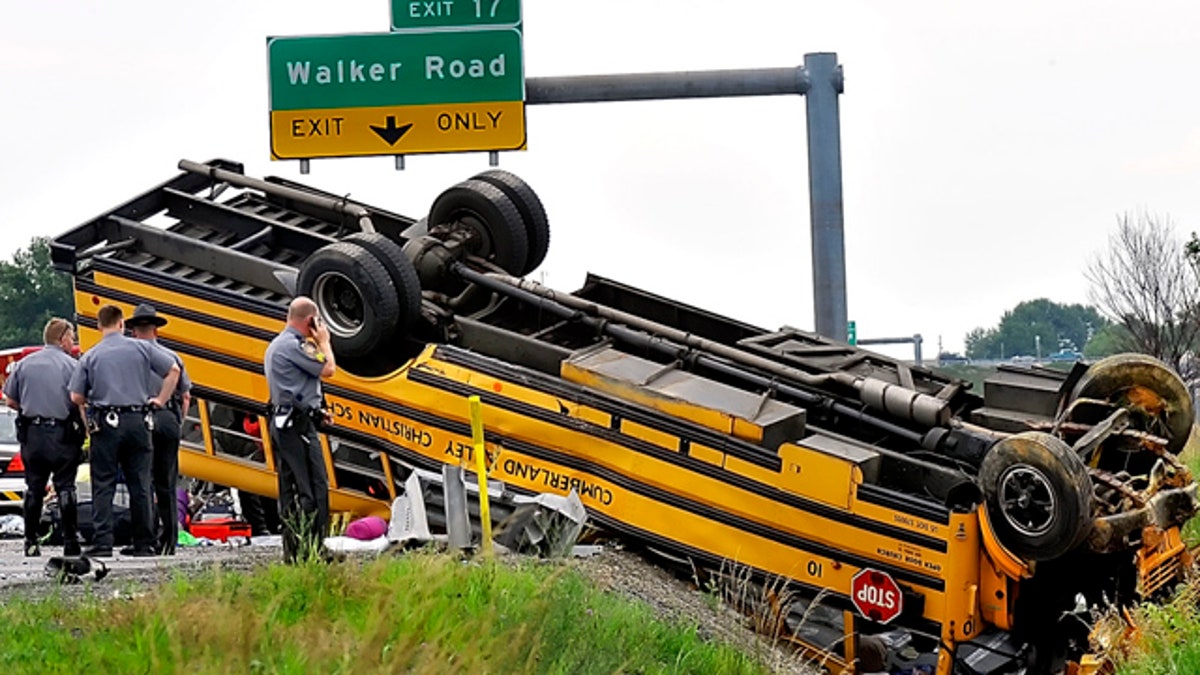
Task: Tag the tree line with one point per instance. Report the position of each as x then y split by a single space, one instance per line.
1145 290
31 292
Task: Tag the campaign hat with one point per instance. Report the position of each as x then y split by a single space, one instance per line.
144 314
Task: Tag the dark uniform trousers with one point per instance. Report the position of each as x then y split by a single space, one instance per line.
47 453
127 445
303 486
164 473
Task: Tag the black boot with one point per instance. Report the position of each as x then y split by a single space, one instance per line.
166 517
33 518
69 509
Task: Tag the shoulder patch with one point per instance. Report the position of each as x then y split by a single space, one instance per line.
310 350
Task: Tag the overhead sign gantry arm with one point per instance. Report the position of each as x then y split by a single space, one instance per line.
819 80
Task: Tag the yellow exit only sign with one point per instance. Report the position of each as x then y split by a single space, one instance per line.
397 130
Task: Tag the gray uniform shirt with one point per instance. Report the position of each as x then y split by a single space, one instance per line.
112 373
156 381
38 383
293 367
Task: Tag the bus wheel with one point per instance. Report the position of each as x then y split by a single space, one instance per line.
485 220
1154 395
356 297
1039 495
400 270
537 226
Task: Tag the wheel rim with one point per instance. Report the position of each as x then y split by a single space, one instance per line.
340 303
469 226
1027 500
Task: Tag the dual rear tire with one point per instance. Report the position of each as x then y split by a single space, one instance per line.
368 289
501 217
368 293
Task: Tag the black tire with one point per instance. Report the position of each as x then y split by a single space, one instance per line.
401 271
1151 391
356 297
1038 493
489 216
537 226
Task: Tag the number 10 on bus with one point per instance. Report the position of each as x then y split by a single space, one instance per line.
419 15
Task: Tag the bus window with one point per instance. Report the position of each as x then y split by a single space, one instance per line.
230 429
358 468
193 433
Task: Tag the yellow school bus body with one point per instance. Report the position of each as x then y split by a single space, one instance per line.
780 454
796 515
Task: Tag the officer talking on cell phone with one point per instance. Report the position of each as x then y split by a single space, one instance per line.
295 362
113 377
50 430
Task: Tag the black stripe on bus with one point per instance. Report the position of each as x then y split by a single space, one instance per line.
185 287
898 501
175 310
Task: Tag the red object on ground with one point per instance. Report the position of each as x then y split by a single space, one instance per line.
876 595
220 530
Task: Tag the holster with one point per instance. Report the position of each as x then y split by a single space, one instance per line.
22 425
75 432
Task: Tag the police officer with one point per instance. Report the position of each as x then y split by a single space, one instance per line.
50 430
168 428
113 378
295 362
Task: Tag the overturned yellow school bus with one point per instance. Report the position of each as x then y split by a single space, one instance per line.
969 523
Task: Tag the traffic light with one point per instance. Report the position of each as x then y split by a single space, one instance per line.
851 333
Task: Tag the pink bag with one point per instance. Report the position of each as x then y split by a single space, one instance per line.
367 529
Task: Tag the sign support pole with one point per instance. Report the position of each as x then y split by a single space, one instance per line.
820 81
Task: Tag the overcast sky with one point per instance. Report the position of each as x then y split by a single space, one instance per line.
987 148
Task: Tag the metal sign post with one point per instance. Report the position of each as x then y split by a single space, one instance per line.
820 80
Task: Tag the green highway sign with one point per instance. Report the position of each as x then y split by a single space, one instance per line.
449 78
396 93
410 15
395 69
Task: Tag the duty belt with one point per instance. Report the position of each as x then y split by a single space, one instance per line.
44 421
103 410
316 415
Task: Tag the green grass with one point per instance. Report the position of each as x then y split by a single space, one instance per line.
422 613
1168 639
